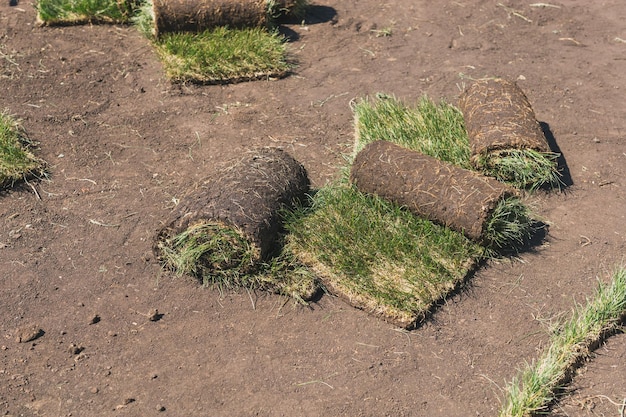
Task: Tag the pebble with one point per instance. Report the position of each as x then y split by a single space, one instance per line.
75 349
28 333
153 315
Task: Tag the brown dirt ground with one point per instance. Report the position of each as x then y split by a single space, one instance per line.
123 144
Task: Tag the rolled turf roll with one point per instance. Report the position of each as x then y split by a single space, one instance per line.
232 222
199 15
446 194
506 139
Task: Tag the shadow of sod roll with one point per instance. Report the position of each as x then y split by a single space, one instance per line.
222 231
482 208
506 139
200 15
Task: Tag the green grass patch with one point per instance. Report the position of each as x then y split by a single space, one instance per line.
223 55
214 252
223 257
277 9
434 129
535 388
437 130
379 256
214 56
17 163
73 12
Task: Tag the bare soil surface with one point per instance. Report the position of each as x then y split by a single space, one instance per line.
123 144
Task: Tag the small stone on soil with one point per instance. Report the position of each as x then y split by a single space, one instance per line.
153 315
28 333
75 349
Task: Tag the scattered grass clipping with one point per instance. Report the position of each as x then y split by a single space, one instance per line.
223 55
222 256
378 256
533 390
74 12
437 130
16 160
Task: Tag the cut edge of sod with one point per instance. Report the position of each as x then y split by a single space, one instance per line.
437 130
522 168
77 12
378 256
17 162
220 255
536 386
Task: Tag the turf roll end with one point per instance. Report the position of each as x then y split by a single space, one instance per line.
506 139
232 223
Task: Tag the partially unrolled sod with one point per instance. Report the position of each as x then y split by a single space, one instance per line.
232 222
506 139
446 194
199 15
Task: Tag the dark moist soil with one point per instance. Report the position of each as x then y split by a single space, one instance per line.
117 335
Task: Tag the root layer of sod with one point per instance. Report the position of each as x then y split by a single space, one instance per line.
226 231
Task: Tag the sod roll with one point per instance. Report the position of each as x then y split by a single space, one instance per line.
199 15
446 194
240 208
499 118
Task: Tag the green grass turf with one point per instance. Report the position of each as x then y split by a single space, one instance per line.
17 163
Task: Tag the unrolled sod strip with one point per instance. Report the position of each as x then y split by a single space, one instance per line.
59 13
199 15
446 194
233 219
506 139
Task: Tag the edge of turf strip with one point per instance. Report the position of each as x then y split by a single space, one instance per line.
537 384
